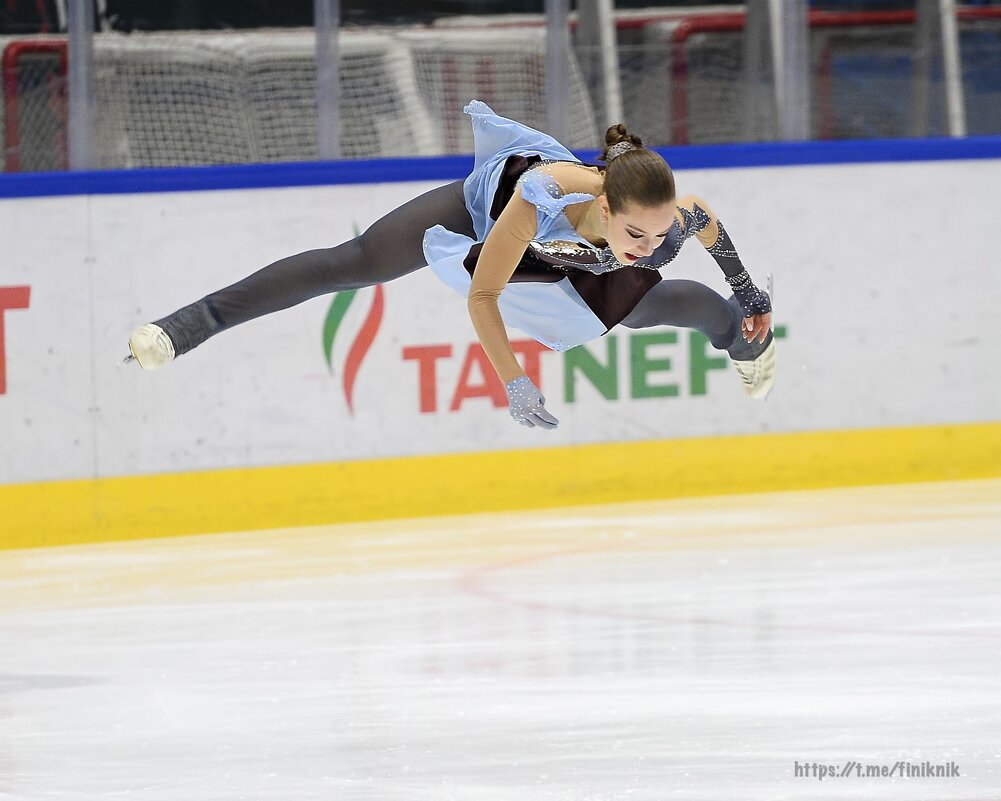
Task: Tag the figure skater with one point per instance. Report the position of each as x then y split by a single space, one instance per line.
533 238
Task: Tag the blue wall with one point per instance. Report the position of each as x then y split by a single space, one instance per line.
444 168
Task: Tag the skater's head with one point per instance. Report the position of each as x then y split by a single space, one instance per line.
639 199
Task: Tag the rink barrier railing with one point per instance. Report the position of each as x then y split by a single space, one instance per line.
444 168
176 504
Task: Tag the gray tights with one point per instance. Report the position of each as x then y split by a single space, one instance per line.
390 248
689 304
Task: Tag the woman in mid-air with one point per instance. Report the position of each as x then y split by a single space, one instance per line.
533 238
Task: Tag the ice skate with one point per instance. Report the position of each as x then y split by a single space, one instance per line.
758 374
150 347
160 342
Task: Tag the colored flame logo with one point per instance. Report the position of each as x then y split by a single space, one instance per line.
362 342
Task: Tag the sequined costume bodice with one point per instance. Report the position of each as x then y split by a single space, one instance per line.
557 242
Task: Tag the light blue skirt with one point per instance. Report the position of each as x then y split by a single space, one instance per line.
551 313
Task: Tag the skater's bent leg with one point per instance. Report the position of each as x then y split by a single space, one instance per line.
390 248
689 304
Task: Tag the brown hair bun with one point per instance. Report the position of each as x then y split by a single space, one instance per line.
618 133
639 176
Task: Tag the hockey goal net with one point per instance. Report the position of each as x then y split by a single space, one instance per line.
209 98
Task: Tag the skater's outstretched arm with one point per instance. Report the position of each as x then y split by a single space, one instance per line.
502 251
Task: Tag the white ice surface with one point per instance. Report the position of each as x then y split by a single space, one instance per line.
673 650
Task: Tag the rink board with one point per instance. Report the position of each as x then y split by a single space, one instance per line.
64 512
378 404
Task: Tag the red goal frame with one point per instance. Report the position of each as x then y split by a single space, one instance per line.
12 55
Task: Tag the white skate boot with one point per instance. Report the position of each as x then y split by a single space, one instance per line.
158 343
150 347
758 375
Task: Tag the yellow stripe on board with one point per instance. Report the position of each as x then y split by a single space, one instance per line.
172 504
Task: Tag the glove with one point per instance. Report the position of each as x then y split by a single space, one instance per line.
752 300
527 405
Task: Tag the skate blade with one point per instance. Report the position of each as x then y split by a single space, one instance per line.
771 297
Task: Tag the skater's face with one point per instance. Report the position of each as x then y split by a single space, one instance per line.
636 231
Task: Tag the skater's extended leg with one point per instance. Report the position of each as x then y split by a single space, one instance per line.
689 304
390 248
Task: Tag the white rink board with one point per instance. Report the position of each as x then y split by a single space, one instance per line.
884 280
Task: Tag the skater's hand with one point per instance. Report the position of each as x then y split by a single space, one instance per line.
756 327
527 405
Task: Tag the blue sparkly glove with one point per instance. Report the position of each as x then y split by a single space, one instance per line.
527 405
752 300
